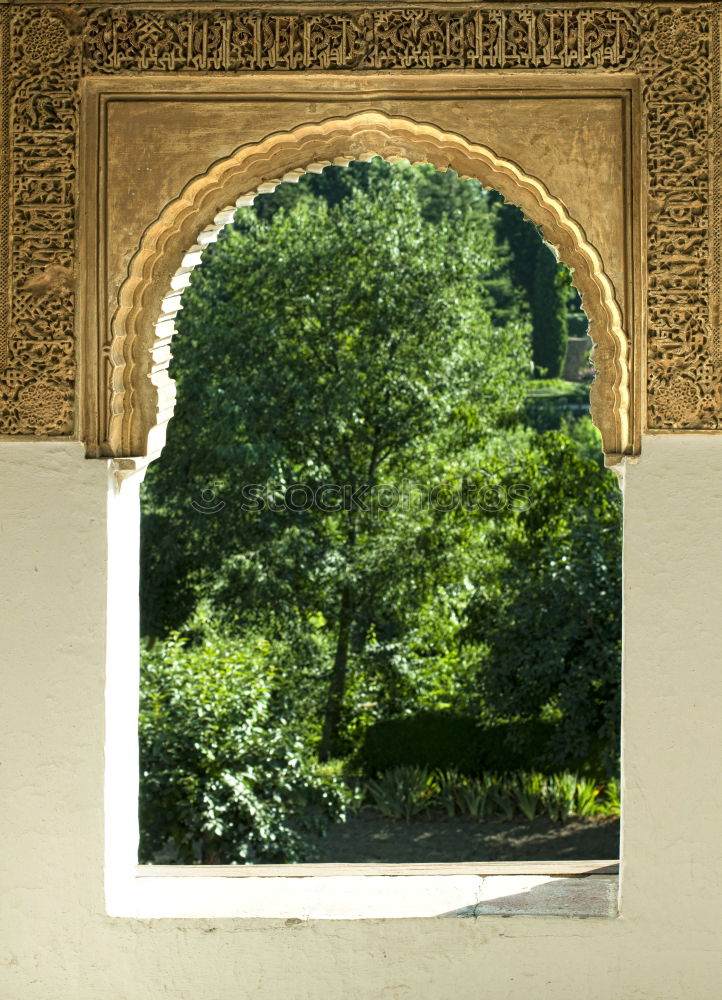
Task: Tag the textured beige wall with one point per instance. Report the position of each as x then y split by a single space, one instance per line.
56 942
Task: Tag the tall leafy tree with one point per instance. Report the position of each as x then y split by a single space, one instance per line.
442 196
322 349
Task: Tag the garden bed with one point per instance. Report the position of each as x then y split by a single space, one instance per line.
370 837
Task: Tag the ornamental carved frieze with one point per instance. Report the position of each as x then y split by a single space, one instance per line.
46 50
400 38
39 132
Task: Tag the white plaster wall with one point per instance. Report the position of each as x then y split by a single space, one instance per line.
56 943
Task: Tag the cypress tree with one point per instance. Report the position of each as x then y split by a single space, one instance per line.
535 271
549 316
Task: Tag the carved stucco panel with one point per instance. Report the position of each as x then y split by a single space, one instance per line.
142 393
40 103
673 48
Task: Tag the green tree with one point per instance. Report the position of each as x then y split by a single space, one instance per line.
337 343
442 197
545 284
547 299
547 621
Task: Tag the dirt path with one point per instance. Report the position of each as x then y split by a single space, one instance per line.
370 837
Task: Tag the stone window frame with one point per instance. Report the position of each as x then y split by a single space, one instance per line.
50 49
142 328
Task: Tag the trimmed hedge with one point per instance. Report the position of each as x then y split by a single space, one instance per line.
446 741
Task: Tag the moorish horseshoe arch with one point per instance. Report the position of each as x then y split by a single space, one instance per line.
52 383
142 392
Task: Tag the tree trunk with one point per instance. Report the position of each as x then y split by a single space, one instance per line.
337 687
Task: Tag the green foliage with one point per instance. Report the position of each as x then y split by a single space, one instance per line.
545 282
442 197
559 796
406 791
572 391
522 239
504 798
224 778
586 797
475 797
402 792
445 740
549 315
547 622
585 437
367 327
528 790
447 786
554 404
438 740
348 345
332 341
609 804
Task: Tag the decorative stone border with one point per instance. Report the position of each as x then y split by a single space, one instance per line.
674 48
143 394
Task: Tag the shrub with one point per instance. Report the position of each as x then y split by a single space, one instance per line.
447 794
503 797
558 796
402 792
548 627
528 789
475 797
586 797
610 804
438 740
223 778
517 746
445 741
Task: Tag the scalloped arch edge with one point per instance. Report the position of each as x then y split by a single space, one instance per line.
142 392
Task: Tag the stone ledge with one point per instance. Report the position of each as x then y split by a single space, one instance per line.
369 896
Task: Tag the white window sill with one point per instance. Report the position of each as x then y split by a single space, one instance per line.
352 892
